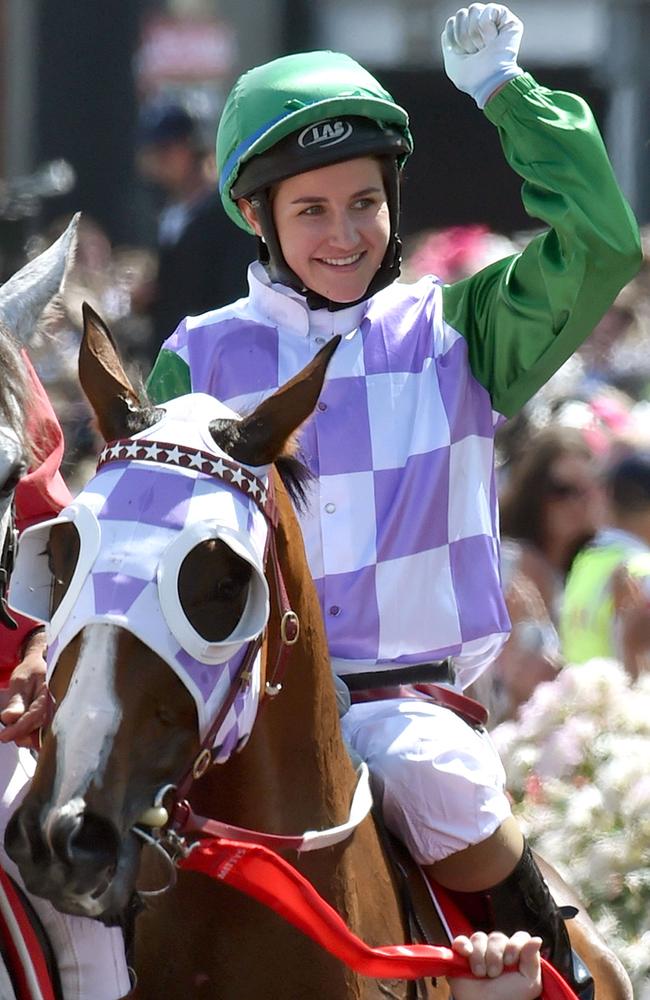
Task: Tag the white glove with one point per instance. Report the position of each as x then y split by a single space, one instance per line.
480 45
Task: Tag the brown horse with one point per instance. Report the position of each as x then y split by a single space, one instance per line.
126 724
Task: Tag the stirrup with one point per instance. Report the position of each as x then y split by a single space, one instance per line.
583 984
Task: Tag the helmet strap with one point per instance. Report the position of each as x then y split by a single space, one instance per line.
270 255
269 251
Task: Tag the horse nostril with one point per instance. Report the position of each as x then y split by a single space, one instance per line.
97 836
61 833
78 836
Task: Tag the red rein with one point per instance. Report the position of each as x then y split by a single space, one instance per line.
271 880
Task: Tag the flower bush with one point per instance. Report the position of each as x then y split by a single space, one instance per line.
578 766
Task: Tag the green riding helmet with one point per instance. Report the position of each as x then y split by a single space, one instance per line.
290 94
299 113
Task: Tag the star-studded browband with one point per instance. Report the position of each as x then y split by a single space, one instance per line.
232 473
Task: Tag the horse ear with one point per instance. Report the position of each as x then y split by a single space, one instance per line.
103 378
24 296
262 437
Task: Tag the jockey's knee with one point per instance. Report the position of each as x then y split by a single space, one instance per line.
440 783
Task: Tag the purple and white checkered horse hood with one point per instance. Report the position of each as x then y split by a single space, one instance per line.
146 508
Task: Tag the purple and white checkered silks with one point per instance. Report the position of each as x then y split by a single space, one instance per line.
137 520
402 527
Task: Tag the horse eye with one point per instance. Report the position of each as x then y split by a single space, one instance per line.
228 588
212 589
62 552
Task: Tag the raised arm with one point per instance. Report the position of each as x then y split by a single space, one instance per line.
524 316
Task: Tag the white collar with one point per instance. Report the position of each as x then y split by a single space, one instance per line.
286 308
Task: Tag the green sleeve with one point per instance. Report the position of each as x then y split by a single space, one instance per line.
524 316
170 377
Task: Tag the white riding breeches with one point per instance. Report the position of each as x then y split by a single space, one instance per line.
91 958
440 783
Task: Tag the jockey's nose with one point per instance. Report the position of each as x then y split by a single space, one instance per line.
344 234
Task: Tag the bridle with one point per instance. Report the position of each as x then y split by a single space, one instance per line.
171 822
246 482
7 560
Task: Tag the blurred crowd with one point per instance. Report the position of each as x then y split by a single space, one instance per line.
573 467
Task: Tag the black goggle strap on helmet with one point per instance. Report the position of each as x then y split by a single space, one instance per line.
272 258
389 269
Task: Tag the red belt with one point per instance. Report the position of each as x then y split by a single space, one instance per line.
472 712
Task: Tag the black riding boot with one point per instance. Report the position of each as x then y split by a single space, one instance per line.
522 902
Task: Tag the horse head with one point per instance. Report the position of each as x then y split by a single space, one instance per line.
153 588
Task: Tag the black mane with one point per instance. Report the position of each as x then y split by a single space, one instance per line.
296 479
293 472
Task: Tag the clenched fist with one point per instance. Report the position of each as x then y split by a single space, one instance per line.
480 45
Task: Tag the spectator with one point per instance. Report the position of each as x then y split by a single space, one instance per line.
454 253
606 610
202 260
552 505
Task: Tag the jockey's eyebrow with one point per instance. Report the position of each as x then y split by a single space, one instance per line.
312 199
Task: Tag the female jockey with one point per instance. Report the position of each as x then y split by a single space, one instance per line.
90 957
401 532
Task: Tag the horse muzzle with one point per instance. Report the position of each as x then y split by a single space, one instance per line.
74 858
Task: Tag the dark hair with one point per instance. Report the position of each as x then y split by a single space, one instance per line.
163 122
530 484
628 482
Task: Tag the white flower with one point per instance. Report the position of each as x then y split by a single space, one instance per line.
585 802
578 766
636 801
565 748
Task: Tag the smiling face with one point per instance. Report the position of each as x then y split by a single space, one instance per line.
333 225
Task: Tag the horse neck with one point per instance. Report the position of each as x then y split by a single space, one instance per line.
295 774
